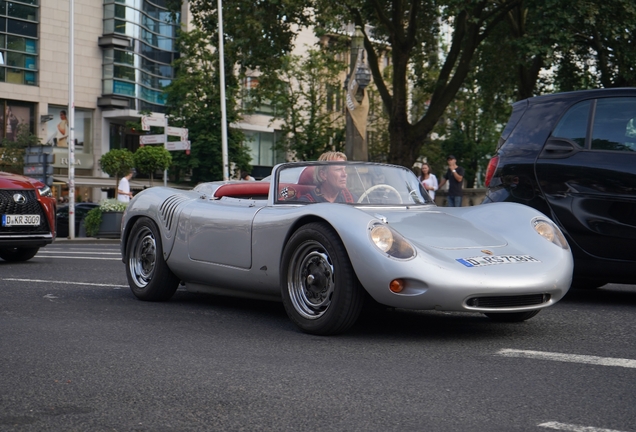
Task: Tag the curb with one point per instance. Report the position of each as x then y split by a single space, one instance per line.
87 240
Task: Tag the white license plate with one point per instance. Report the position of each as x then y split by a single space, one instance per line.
481 261
20 220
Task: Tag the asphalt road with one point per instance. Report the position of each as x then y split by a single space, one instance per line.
79 353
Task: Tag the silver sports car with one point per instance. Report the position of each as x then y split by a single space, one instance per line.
323 237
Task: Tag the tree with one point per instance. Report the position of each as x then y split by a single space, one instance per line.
149 159
117 163
193 101
12 152
303 94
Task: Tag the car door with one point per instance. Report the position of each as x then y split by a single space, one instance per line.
220 231
587 173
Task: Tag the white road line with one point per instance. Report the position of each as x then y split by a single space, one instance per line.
78 257
571 358
76 252
574 428
65 282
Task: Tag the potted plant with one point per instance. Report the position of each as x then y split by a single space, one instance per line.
105 220
149 159
117 163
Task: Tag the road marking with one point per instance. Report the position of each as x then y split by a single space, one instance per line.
65 282
571 358
88 252
574 428
77 257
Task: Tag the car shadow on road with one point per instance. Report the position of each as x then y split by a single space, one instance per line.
608 295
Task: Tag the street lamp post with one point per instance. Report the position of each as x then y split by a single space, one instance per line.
356 147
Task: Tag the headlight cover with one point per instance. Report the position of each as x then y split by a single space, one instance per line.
550 232
390 242
45 191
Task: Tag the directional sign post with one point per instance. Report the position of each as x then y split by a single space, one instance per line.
152 139
177 145
147 121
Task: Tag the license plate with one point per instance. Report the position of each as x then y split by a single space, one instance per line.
481 261
20 220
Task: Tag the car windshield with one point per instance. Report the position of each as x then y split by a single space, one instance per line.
348 183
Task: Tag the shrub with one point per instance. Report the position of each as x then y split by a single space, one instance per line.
93 218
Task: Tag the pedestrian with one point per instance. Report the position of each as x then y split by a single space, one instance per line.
428 180
123 190
246 176
455 177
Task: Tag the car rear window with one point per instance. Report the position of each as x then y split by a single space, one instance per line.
517 112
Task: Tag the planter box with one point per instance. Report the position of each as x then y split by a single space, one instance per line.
111 225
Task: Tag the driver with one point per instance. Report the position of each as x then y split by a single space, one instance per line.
331 181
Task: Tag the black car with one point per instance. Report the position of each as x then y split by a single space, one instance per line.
572 156
81 209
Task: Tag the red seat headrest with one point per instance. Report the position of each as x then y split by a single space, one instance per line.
307 176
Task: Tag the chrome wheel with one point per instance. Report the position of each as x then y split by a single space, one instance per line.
311 280
142 257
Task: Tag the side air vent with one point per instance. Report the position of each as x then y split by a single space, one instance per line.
168 209
508 301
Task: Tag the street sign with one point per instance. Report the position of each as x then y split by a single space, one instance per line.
152 139
39 150
37 170
147 121
38 159
177 145
177 131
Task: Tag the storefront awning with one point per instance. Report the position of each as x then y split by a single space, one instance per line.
109 182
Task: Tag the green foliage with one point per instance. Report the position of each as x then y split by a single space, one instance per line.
12 152
117 163
303 94
149 159
194 102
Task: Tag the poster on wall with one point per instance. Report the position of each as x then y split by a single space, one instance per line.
14 117
58 129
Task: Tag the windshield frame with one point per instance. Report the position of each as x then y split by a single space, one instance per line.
405 189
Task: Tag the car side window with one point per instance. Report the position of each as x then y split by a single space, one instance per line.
573 125
615 125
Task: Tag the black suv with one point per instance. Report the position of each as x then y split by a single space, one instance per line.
572 156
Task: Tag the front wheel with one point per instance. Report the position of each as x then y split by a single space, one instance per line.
320 290
148 275
512 316
17 254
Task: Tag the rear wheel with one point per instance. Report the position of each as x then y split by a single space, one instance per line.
148 275
512 316
18 254
320 290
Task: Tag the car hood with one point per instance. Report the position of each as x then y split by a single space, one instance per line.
434 228
14 181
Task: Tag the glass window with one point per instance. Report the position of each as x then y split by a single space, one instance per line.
260 146
614 125
125 72
125 57
22 28
573 125
82 131
22 11
17 115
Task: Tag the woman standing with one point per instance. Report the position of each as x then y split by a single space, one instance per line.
428 180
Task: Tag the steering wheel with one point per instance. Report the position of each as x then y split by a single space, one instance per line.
386 187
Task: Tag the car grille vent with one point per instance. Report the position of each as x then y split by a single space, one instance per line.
508 301
168 209
31 207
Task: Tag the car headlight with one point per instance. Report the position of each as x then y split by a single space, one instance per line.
45 191
390 242
550 232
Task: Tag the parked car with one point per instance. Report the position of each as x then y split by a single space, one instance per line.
385 239
27 208
81 209
572 156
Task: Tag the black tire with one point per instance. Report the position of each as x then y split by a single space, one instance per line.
17 254
512 316
148 275
320 290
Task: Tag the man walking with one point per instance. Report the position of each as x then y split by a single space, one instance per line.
454 176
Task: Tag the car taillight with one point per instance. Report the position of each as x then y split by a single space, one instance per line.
490 171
